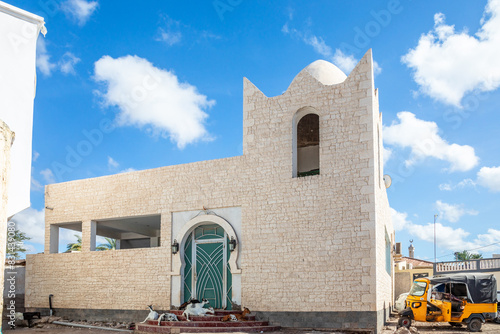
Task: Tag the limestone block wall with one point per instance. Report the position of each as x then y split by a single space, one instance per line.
124 279
6 140
212 184
124 273
385 230
310 244
319 231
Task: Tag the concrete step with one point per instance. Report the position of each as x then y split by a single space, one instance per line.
217 312
208 317
146 328
210 323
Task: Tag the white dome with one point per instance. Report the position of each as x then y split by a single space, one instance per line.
325 72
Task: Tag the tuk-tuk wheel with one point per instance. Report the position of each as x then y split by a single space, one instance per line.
404 322
474 325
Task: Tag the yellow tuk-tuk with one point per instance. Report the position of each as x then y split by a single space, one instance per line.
459 299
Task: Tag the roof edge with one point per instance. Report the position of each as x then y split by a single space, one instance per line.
23 15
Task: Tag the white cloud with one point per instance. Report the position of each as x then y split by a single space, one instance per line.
345 62
128 170
43 58
169 37
445 187
377 69
67 236
151 97
319 45
489 177
452 239
35 155
48 175
424 141
453 212
170 33
36 185
80 10
31 222
68 62
462 184
449 64
285 29
387 153
399 220
112 163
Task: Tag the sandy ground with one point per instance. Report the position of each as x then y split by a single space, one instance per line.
438 328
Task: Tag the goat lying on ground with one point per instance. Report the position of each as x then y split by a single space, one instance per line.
167 317
153 315
238 316
190 301
197 309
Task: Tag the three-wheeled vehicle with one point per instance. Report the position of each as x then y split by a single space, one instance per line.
469 299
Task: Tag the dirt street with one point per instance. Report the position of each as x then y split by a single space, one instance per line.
443 328
440 328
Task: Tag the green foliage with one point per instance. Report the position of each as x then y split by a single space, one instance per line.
109 245
74 246
466 255
15 243
77 246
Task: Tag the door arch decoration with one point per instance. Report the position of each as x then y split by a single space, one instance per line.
179 260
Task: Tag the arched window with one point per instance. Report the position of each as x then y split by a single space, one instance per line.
306 144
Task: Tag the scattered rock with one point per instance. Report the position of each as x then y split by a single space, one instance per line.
402 330
413 330
21 323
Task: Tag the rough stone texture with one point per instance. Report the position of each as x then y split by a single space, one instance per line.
327 320
311 244
6 140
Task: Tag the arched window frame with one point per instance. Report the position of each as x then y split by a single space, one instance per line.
295 122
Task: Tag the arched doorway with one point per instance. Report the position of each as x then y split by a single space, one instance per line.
206 272
183 233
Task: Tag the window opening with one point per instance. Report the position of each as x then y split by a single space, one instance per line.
308 145
128 233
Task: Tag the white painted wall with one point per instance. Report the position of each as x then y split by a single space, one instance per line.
19 31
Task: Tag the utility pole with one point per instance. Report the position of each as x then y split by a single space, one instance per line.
435 258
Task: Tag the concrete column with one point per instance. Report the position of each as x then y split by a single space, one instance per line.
54 239
154 242
89 229
117 244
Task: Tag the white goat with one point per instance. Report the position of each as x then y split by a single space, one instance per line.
197 309
153 315
167 317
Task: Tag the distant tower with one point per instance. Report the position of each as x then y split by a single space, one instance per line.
411 250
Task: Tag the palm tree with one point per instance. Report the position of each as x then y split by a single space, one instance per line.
109 245
15 244
466 255
74 246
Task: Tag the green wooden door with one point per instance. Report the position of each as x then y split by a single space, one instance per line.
207 274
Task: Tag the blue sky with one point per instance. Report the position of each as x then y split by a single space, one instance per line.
133 87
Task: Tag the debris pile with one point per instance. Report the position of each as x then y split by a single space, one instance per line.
47 322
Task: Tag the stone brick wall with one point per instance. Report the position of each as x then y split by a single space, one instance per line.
6 139
310 244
